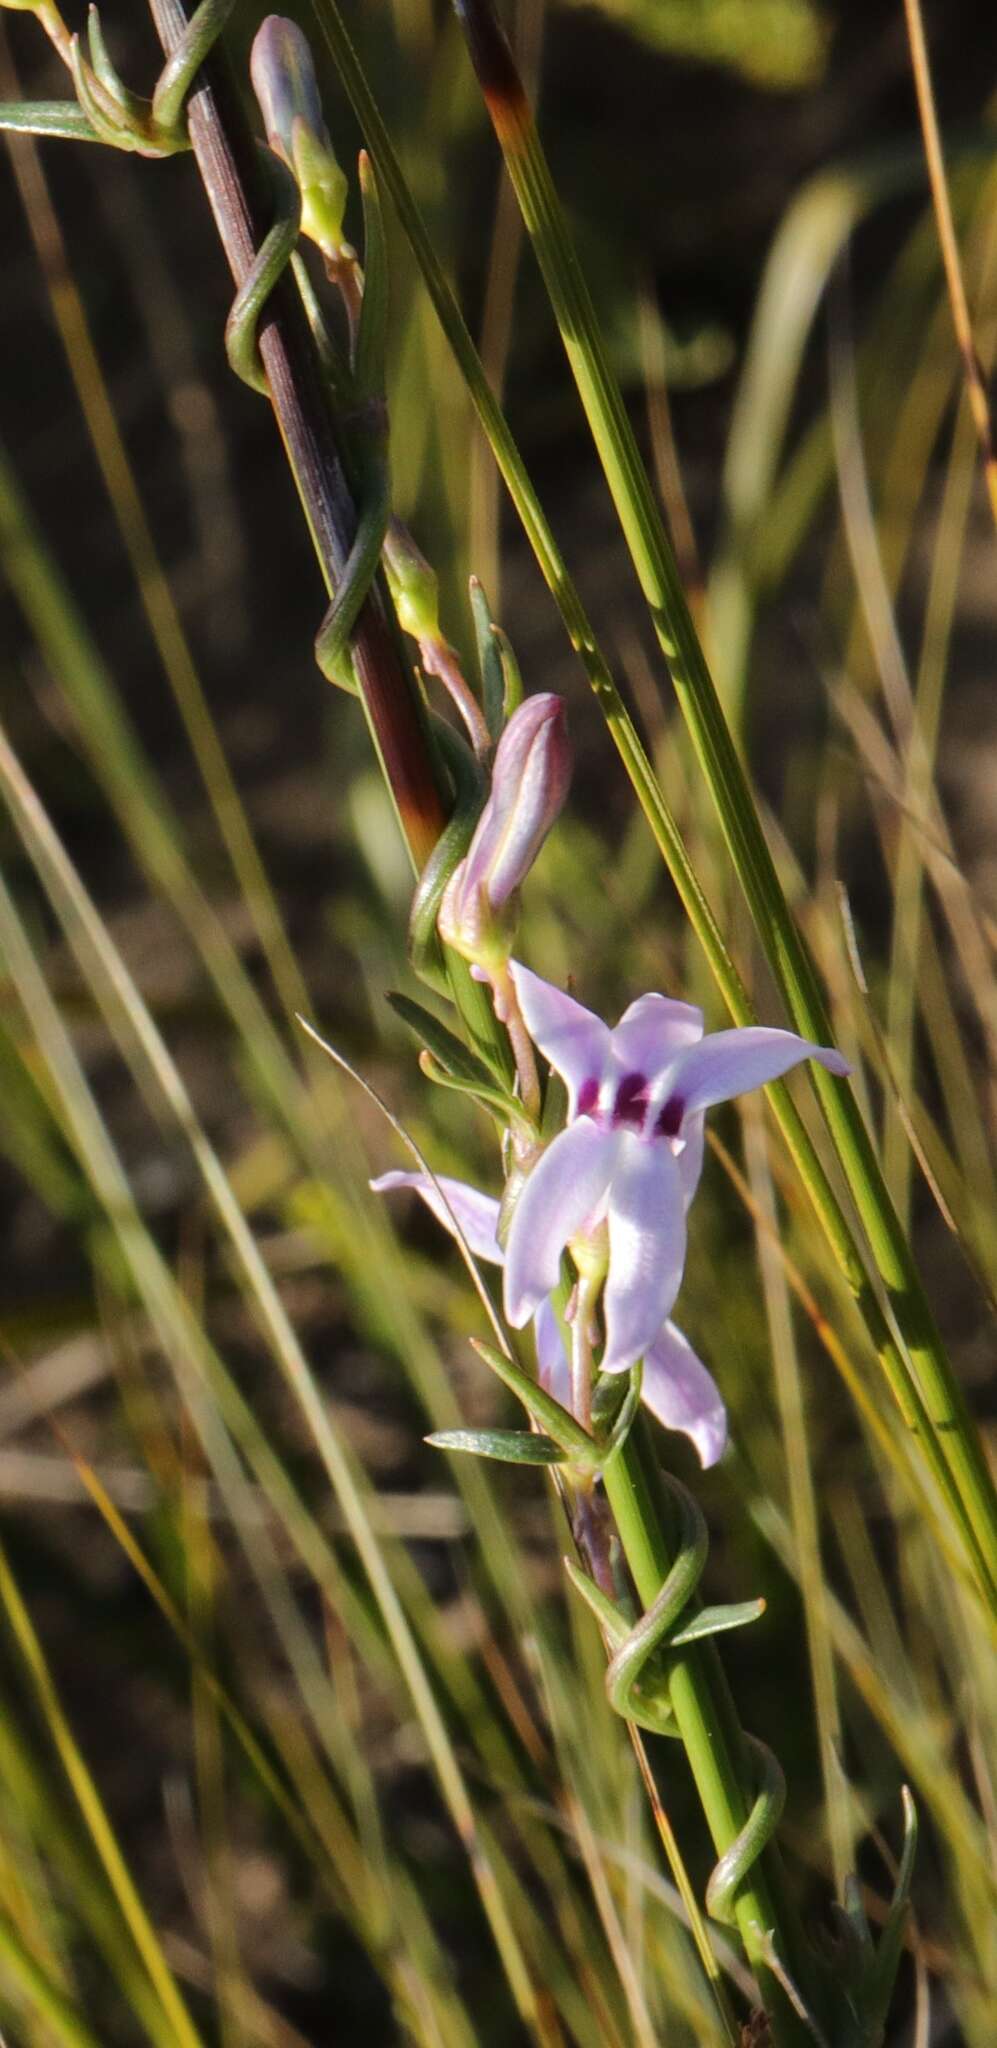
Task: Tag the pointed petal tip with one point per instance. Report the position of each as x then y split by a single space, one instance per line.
683 1395
710 1437
729 1063
461 1209
518 1307
833 1060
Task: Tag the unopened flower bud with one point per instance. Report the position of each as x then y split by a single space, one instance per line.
412 583
529 784
287 91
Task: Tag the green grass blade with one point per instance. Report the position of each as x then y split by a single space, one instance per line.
66 2024
184 2032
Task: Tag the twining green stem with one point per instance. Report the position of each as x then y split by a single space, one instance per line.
925 1363
712 1738
701 1708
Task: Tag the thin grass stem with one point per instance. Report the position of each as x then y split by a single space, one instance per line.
976 383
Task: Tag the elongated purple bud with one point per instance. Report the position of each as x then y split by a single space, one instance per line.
285 84
287 91
530 780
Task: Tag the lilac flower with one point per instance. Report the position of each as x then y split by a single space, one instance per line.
632 1152
676 1386
530 780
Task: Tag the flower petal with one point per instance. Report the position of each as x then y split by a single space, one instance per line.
652 1031
730 1062
529 784
646 1248
575 1042
690 1159
562 1190
452 1201
553 1363
683 1395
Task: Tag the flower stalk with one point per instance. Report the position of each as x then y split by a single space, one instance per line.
508 1012
415 595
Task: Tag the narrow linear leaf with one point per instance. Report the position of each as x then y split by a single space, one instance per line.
489 660
557 1422
890 1950
447 1049
509 1446
609 1616
47 117
715 1621
490 1098
512 678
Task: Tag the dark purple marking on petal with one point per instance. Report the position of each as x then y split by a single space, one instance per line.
588 1096
631 1100
669 1121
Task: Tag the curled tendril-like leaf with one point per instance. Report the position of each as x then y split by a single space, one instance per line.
106 110
639 1691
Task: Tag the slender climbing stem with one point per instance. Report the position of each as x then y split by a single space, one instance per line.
712 1738
50 19
705 1715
